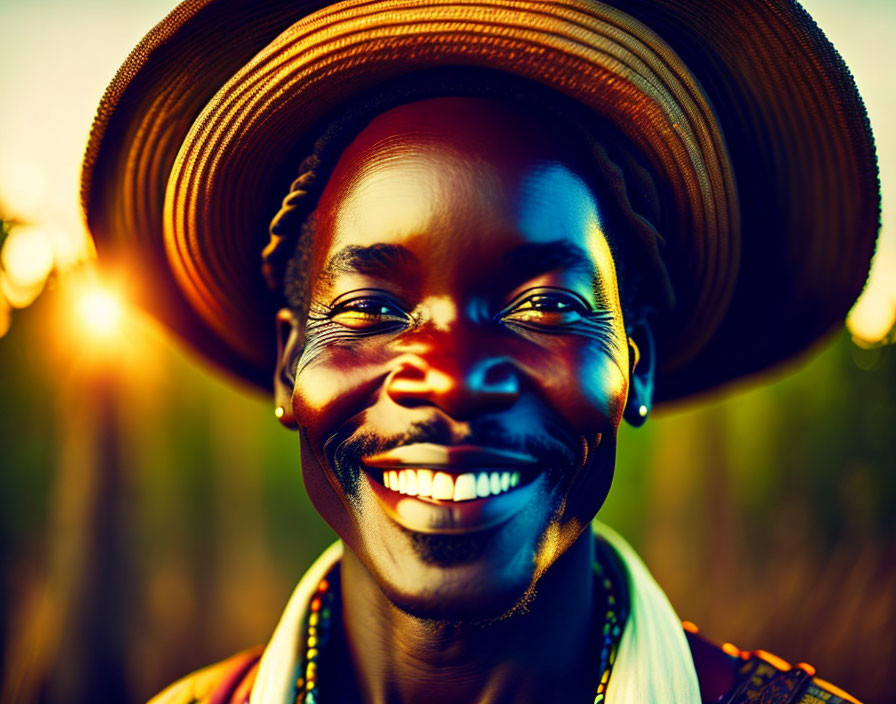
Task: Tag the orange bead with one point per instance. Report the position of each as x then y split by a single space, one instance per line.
731 649
807 667
772 659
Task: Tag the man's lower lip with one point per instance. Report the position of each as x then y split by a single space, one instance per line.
432 516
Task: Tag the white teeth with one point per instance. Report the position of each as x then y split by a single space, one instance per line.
424 482
465 487
495 483
442 486
447 487
411 482
482 489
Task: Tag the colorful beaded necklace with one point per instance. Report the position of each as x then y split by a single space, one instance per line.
319 626
614 619
317 634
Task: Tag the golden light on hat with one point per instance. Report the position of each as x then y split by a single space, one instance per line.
743 110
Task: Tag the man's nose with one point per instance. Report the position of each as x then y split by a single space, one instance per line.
461 388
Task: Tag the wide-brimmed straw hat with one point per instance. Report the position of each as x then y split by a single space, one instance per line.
741 109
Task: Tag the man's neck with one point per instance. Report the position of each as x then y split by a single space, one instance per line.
545 652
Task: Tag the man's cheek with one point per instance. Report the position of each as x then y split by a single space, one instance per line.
606 388
593 391
335 387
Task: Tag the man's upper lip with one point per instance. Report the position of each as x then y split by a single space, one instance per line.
434 456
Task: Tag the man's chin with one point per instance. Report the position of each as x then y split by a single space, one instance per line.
461 578
457 577
447 550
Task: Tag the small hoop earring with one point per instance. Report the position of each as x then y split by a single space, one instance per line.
279 412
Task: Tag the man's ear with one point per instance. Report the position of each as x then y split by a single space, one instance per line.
642 365
289 347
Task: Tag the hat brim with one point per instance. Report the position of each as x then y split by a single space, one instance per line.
192 115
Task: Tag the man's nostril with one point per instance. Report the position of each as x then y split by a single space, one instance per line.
498 376
415 402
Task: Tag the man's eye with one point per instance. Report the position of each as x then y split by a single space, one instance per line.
365 313
549 309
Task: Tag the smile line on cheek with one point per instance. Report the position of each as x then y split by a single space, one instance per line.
581 469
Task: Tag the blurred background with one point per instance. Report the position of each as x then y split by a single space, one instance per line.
152 518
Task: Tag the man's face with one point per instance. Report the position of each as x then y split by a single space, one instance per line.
465 365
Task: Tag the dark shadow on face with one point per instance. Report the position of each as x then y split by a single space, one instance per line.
464 327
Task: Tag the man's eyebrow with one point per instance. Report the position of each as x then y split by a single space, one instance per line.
376 259
530 260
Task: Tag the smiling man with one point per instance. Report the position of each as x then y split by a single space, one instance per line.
517 227
464 335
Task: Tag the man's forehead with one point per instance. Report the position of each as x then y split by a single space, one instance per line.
401 196
456 204
407 191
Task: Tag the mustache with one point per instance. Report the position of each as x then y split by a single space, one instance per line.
551 445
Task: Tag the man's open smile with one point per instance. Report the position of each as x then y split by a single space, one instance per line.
450 473
432 488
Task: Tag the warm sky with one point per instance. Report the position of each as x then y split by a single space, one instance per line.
58 56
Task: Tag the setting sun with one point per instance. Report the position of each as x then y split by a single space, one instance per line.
100 312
